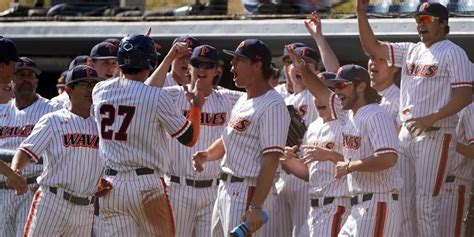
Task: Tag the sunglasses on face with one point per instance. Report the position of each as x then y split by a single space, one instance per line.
425 19
86 84
203 65
342 85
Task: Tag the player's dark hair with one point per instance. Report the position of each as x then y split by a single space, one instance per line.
267 70
371 95
131 71
5 61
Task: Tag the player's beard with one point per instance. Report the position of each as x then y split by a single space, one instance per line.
350 100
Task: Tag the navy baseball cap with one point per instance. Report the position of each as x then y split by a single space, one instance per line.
29 64
79 60
113 41
352 73
61 80
295 45
254 49
8 49
81 73
327 78
433 9
205 51
309 53
191 41
104 50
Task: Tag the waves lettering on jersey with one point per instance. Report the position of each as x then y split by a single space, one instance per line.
421 70
302 110
351 142
19 131
81 140
239 124
323 144
211 119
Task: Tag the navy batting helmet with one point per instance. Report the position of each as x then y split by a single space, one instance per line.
137 52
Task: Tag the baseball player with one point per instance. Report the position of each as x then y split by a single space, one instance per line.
193 194
293 200
17 119
69 140
286 89
132 118
179 66
8 58
104 59
370 146
13 179
435 85
455 191
250 145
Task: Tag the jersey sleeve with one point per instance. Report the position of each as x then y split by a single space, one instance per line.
173 92
460 69
397 53
382 134
37 142
169 115
467 118
335 106
273 127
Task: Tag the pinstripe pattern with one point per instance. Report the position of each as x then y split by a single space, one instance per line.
304 105
15 126
281 89
377 217
51 215
328 220
70 146
425 159
363 139
335 105
459 166
391 102
63 100
428 74
147 144
169 80
265 122
193 207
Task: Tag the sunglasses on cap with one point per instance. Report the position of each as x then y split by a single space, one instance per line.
341 85
203 65
425 19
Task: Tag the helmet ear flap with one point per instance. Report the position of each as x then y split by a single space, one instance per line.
137 51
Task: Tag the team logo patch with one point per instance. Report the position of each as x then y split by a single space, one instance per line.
204 51
241 45
351 142
239 124
421 70
112 50
127 46
424 6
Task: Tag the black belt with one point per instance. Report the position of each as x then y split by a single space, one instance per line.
73 199
368 197
233 179
30 180
450 178
326 201
139 171
195 183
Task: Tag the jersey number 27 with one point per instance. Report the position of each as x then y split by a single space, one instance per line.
110 112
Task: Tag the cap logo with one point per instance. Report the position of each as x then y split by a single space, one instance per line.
89 72
304 51
339 71
241 45
204 51
424 6
112 50
127 46
189 42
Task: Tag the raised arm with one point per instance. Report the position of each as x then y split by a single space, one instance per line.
371 46
328 57
157 78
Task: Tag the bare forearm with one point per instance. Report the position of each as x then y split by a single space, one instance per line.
216 151
328 57
20 160
265 178
465 150
314 85
374 163
462 97
157 78
297 168
5 170
370 44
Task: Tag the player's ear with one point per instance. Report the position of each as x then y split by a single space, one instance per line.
67 89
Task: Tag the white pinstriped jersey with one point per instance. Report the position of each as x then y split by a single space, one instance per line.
391 102
70 145
169 81
335 105
462 167
133 119
321 174
63 100
256 126
214 117
16 125
370 132
281 89
304 105
428 75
